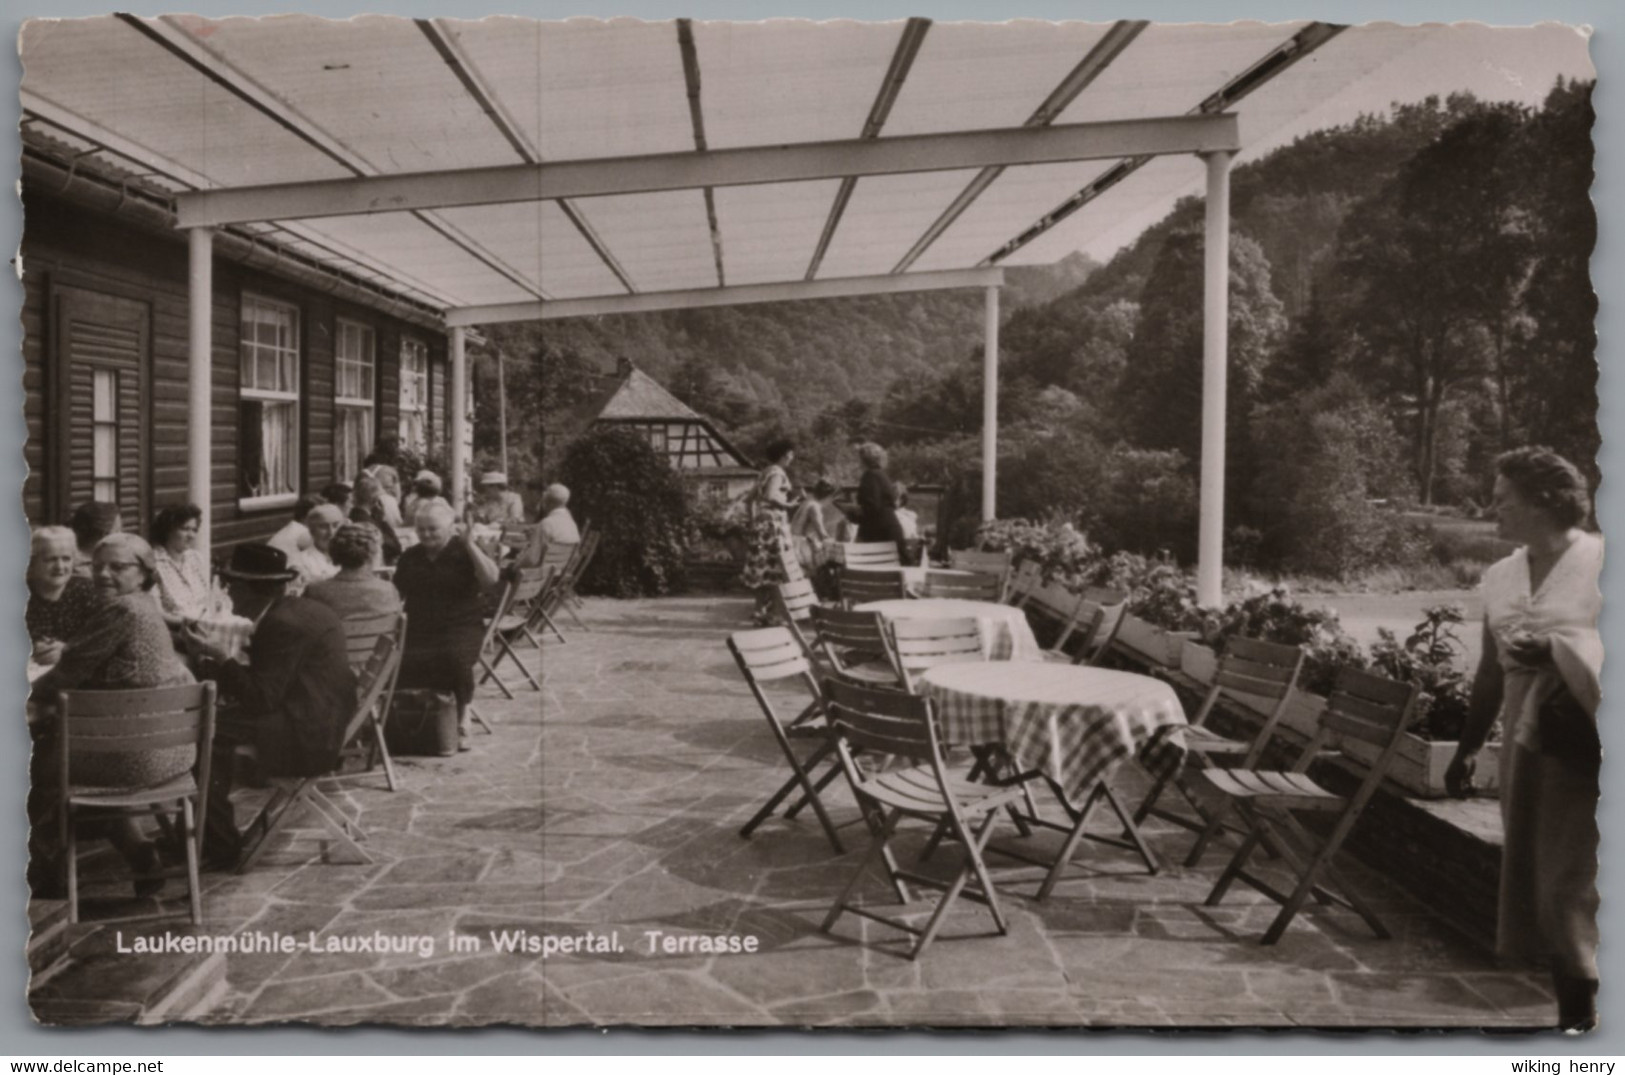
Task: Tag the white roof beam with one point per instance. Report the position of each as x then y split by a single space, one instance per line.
696 116
552 180
738 295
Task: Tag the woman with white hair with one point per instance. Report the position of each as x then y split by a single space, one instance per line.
60 602
877 501
557 526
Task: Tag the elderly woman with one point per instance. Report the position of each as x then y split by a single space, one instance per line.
770 543
441 580
877 501
90 522
125 646
60 602
426 489
316 563
355 590
184 578
1539 675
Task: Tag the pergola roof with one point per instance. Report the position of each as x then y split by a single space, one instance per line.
204 105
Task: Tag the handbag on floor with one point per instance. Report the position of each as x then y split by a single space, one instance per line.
422 723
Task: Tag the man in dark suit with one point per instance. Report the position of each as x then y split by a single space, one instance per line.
292 699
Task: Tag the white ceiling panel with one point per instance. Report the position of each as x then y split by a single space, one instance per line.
401 239
783 81
884 218
971 76
769 232
663 239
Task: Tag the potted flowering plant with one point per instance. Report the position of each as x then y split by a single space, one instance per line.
1162 608
1060 550
1434 659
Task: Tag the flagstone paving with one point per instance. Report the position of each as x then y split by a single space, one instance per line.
606 808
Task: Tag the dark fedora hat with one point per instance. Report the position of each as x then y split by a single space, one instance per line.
259 563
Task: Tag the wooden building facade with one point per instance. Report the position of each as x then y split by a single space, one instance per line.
309 366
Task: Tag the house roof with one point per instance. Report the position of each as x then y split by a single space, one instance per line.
640 397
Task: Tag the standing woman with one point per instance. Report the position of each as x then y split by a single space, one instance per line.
770 544
1539 675
877 501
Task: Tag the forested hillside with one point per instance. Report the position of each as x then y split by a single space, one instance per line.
1410 294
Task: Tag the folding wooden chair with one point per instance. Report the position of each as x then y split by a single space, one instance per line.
916 786
922 644
511 624
571 574
870 554
104 723
795 602
772 655
996 564
1362 706
503 606
306 791
975 587
1090 629
859 586
1266 670
855 646
361 635
555 559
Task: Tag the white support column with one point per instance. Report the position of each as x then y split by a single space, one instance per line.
200 377
990 404
459 416
1215 349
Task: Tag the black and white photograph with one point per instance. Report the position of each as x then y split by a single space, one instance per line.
913 523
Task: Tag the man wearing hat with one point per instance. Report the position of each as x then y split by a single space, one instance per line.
292 699
495 505
558 526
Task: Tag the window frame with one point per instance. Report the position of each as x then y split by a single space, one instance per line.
246 391
413 347
341 403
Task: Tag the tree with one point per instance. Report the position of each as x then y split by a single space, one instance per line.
634 499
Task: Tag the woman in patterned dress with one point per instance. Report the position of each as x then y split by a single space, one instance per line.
125 646
183 570
770 542
1542 658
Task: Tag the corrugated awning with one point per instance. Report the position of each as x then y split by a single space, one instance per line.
196 104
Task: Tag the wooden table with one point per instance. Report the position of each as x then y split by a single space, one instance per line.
1005 630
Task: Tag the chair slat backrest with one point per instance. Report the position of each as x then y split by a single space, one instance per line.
499 612
923 644
372 680
134 721
1267 670
974 587
1103 609
580 560
883 721
558 556
871 554
796 600
768 653
847 638
528 584
362 631
1368 707
985 563
1055 601
858 587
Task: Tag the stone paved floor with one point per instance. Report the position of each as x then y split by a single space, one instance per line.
609 804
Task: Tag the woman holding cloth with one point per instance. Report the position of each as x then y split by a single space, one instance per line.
1539 675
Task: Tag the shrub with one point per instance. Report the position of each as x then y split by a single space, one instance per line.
1159 591
1432 659
1145 502
637 502
1059 550
718 530
1274 615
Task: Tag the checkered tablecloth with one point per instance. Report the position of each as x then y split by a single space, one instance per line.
1068 722
1005 630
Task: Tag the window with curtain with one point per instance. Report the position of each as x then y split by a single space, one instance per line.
354 378
414 424
268 402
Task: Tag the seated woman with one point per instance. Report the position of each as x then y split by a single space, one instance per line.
184 578
355 590
60 603
315 563
125 646
441 579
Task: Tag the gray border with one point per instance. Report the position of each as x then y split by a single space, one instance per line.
18 1034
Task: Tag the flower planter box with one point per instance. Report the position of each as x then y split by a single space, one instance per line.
1152 642
1418 767
1198 661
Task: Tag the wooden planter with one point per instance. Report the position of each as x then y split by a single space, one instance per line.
1419 766
1198 661
1152 642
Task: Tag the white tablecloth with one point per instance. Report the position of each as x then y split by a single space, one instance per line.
1005 630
